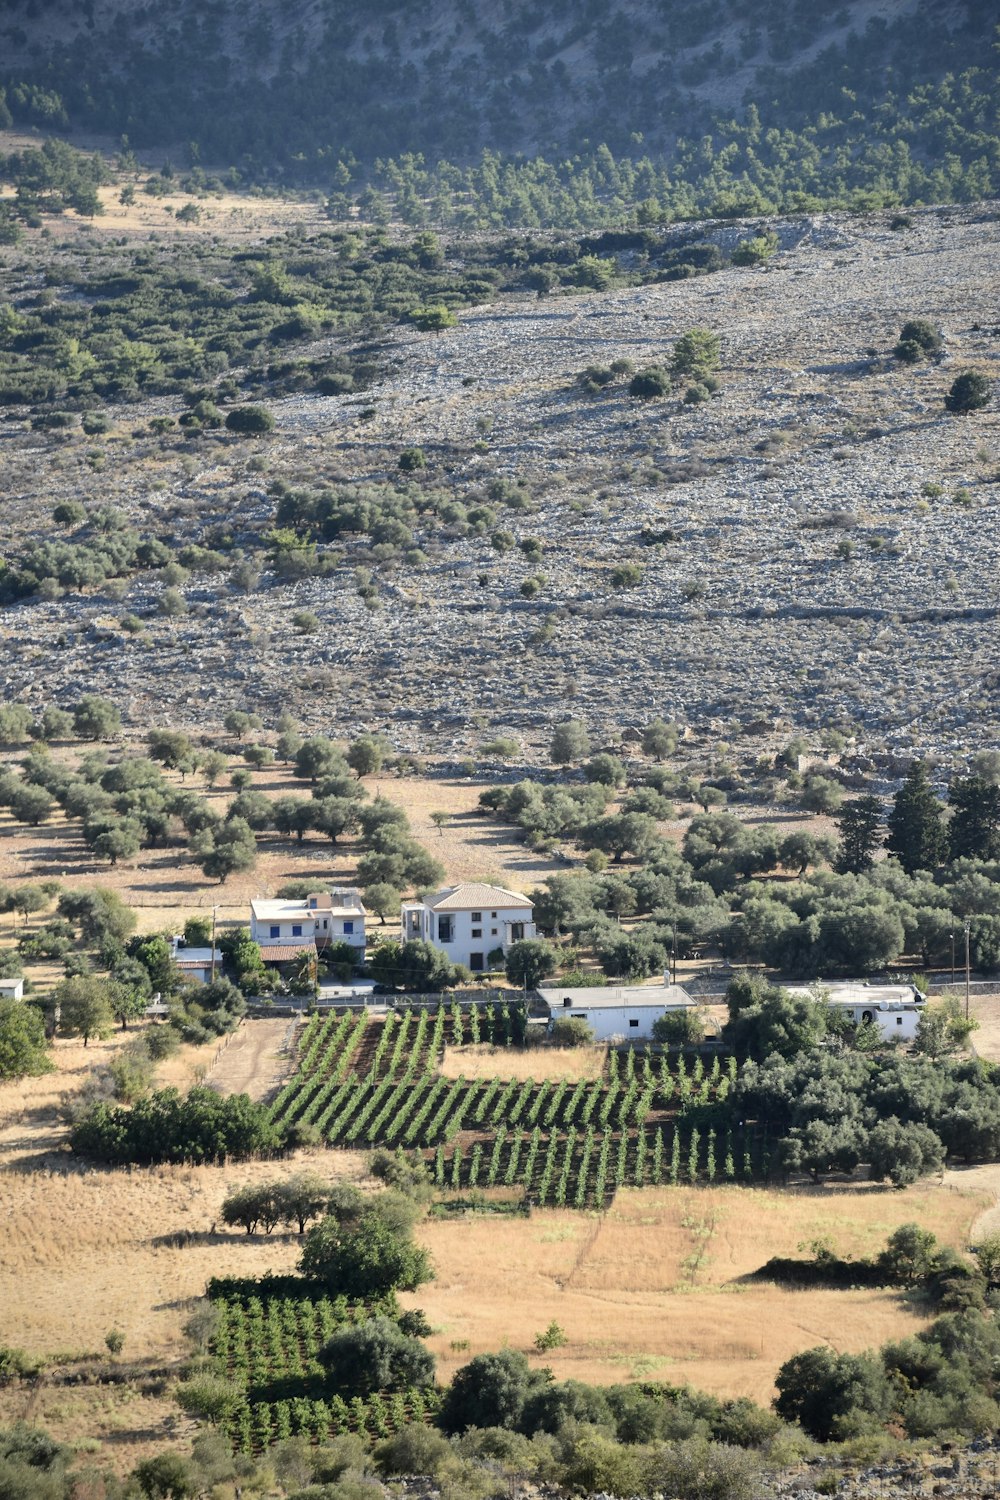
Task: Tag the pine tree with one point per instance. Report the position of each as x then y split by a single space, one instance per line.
917 835
859 824
974 830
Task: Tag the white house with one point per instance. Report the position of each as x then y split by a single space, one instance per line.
620 1011
12 989
469 922
315 922
894 1008
197 963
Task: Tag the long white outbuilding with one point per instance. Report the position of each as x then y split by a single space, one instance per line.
624 1012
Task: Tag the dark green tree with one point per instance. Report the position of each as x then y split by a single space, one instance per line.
832 1395
23 1051
96 718
530 961
376 1355
414 965
917 835
570 742
974 830
774 1022
250 421
970 391
903 1152
490 1391
366 1259
364 756
859 824
659 739
84 1007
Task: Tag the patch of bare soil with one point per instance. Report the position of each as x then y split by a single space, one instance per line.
255 1060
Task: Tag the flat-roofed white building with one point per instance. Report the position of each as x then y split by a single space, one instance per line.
12 989
894 1008
197 963
627 1011
469 922
317 921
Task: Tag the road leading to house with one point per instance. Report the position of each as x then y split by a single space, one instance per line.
256 1060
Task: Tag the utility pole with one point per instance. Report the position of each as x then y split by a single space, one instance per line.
214 910
952 936
967 925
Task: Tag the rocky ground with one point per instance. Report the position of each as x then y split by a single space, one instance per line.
747 618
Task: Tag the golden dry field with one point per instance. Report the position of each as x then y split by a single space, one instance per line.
509 1062
653 1288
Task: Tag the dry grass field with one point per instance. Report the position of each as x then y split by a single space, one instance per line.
86 1251
506 1062
986 1010
652 1289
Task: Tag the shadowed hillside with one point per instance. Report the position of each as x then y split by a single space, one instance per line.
747 106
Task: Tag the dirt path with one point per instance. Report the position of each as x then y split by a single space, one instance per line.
256 1060
984 1179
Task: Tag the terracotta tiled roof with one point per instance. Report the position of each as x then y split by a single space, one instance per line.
283 953
475 897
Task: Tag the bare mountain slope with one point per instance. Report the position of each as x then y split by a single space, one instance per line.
790 564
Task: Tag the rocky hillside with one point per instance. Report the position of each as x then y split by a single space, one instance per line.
816 544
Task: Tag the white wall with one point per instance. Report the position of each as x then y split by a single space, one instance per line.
313 930
610 1020
492 930
894 1025
262 932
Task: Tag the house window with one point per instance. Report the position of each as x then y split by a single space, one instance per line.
493 932
275 931
493 915
325 924
899 1020
578 1015
348 928
516 932
296 929
444 929
476 962
476 916
633 1023
312 903
477 932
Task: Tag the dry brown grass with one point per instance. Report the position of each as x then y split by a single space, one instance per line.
652 1289
510 1062
986 1010
86 1250
119 1425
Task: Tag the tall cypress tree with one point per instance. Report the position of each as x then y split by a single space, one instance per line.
859 824
974 830
917 835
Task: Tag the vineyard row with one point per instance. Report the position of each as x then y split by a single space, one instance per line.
583 1169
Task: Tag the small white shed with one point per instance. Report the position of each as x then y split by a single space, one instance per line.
197 963
617 1011
894 1008
12 989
